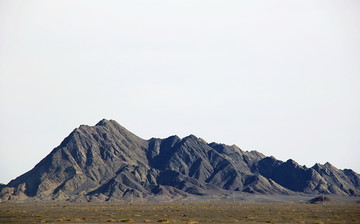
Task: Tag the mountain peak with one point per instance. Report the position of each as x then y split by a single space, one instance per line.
105 122
191 136
329 165
106 162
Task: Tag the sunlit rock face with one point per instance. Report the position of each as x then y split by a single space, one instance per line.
106 162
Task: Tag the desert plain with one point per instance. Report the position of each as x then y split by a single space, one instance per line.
181 212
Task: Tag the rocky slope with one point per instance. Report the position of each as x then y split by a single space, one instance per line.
107 162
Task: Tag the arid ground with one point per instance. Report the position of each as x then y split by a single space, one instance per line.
179 212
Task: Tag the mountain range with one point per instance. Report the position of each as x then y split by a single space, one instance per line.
106 162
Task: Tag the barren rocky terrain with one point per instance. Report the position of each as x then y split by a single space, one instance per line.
106 162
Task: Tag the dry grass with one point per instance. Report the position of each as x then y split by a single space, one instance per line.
126 220
178 212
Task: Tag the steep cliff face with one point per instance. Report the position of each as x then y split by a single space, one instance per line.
107 162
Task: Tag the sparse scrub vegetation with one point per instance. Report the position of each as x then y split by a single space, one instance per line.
126 220
181 212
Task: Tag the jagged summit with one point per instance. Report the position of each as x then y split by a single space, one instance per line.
105 122
107 162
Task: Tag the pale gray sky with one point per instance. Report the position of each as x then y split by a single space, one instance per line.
280 77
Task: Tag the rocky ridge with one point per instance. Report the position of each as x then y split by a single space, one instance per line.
106 162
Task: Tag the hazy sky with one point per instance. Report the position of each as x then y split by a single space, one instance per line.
280 77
